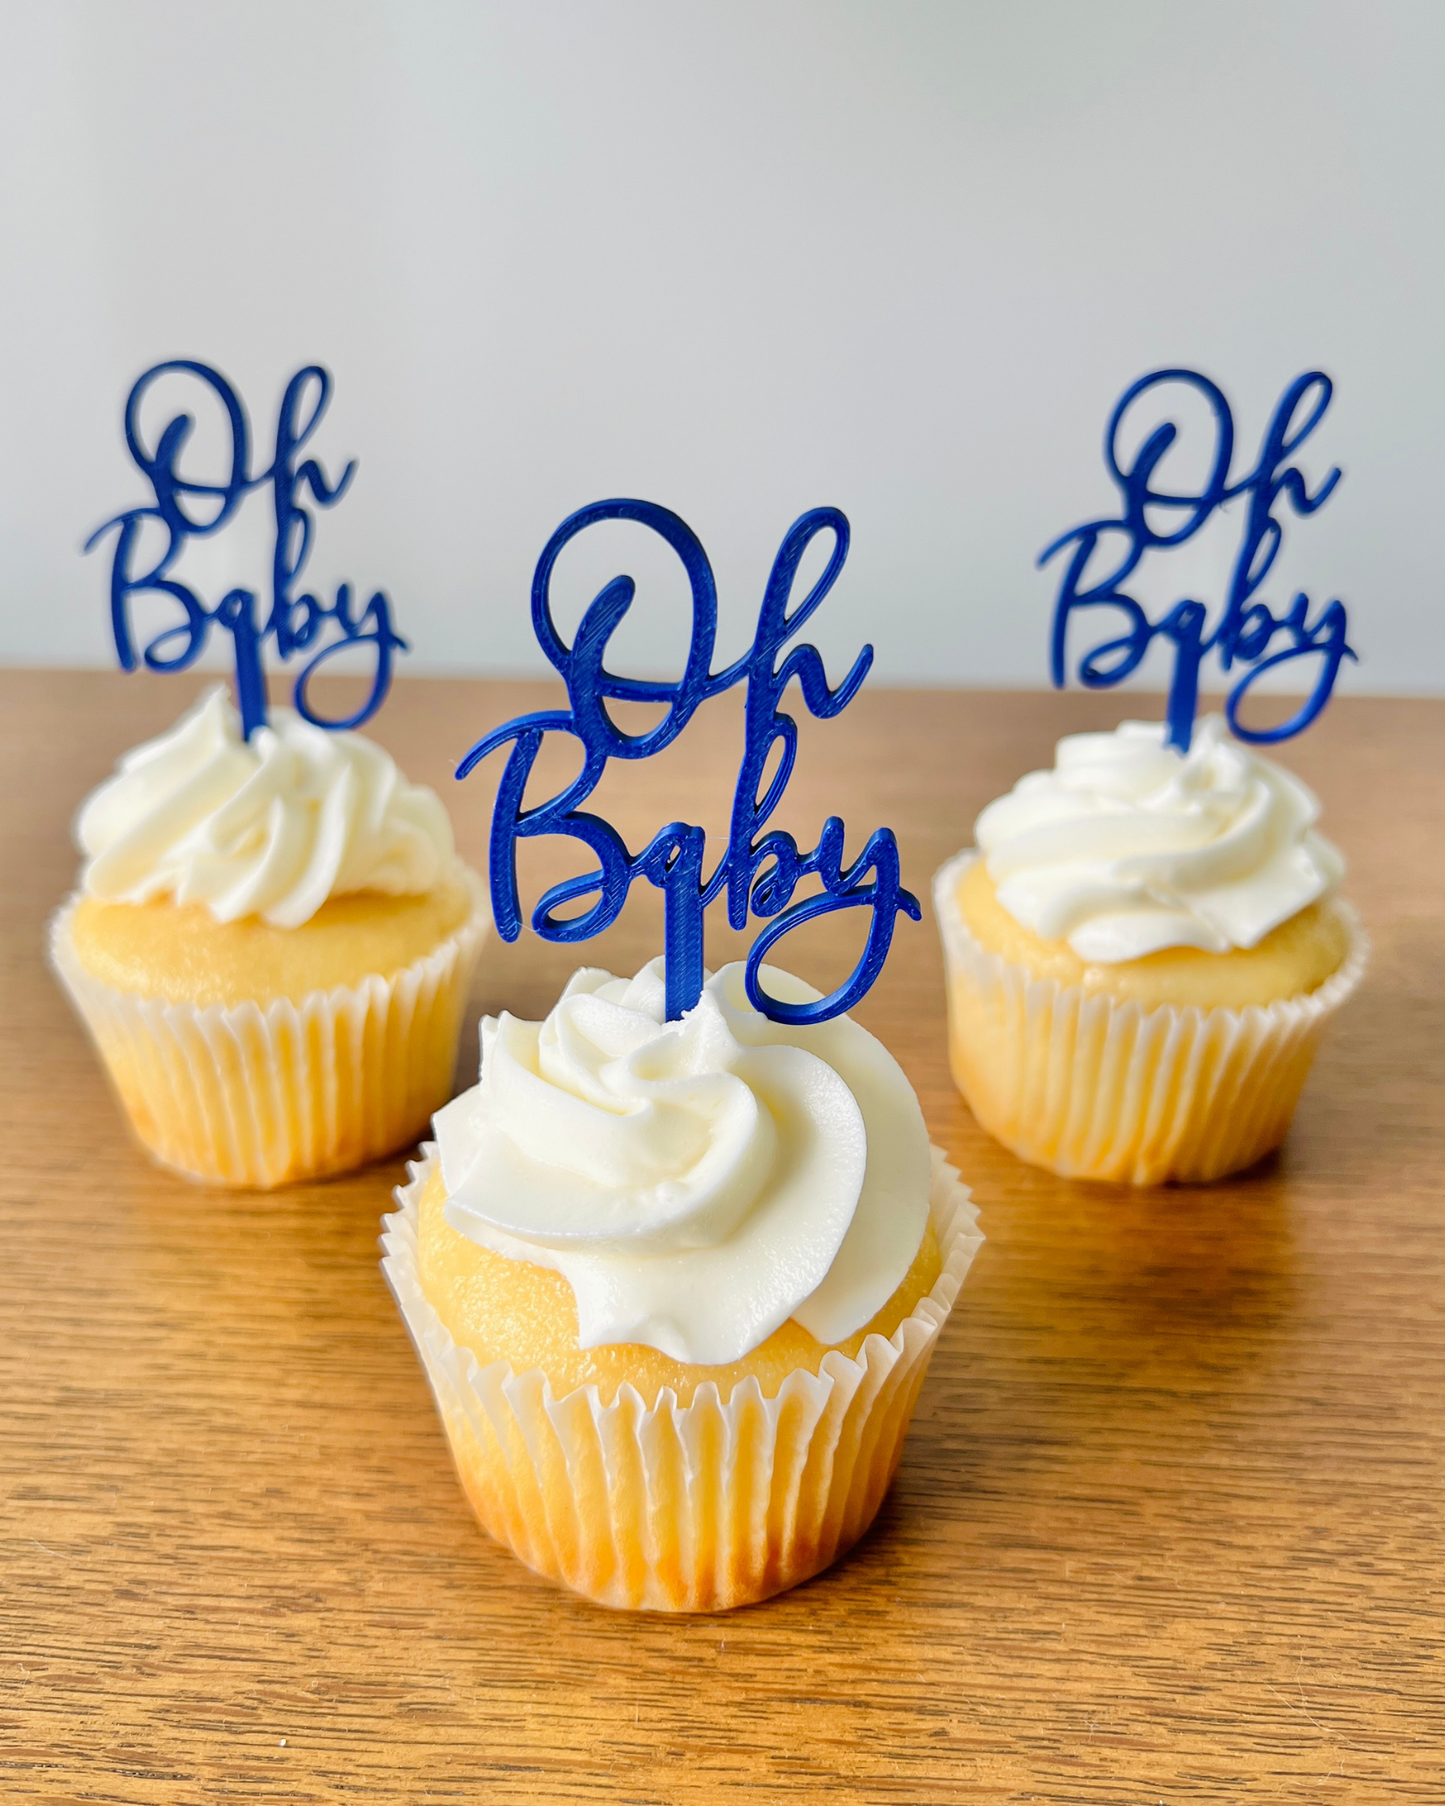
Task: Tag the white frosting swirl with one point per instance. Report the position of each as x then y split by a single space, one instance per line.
270 827
697 1182
1128 846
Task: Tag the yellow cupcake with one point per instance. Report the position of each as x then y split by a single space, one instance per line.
619 1197
182 954
526 1316
1294 958
271 947
1143 956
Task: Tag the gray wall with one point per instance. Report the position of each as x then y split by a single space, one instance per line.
737 257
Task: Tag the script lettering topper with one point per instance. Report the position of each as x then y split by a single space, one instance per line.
1248 627
186 509
762 867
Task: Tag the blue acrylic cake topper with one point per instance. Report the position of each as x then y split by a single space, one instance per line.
1248 626
760 870
294 622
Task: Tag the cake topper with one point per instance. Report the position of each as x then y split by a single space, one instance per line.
760 870
1247 626
295 623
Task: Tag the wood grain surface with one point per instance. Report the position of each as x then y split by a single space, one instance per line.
1168 1527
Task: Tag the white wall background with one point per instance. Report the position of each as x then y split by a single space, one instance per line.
740 257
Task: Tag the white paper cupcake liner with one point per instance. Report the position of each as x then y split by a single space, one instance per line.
1091 1087
672 1507
260 1095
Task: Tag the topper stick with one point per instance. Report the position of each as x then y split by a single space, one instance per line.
761 868
237 614
1248 625
295 623
682 907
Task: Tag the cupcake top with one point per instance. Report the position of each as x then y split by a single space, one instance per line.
269 827
1128 846
697 1182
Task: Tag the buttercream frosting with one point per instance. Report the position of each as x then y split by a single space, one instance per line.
697 1182
1128 846
270 827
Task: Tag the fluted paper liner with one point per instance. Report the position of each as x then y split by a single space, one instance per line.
1091 1087
681 1508
254 1094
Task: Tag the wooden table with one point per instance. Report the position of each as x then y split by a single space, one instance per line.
1168 1528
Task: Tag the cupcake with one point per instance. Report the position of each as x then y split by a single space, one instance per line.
1142 953
271 946
676 1286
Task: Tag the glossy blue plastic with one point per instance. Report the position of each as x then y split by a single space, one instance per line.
186 510
761 868
1248 626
